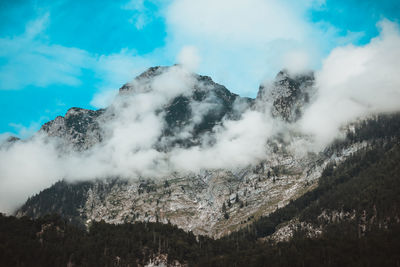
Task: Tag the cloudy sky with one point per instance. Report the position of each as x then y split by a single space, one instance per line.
59 54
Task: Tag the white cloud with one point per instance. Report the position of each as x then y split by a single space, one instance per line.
127 150
296 61
238 21
44 65
237 144
26 168
189 58
26 132
4 137
104 98
242 42
355 82
129 139
142 16
36 27
115 70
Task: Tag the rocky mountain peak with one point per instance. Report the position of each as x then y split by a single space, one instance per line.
143 78
79 127
288 94
202 85
198 110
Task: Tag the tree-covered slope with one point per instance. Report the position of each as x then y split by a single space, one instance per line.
366 185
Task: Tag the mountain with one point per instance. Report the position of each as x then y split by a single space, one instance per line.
287 208
81 127
192 201
78 128
211 202
288 95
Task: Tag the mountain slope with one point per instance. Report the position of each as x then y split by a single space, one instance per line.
361 191
212 202
288 95
366 184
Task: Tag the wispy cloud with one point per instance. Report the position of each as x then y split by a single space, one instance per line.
26 132
30 60
141 14
114 70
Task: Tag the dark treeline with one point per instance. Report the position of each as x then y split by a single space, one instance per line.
377 129
51 242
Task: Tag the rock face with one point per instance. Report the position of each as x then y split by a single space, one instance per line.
9 142
288 95
208 99
79 128
212 202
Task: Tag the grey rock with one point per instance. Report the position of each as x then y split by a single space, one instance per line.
288 95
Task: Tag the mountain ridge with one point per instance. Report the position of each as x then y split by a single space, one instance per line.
212 202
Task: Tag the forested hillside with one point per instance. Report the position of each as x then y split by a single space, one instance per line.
366 186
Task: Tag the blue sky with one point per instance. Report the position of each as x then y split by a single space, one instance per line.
59 54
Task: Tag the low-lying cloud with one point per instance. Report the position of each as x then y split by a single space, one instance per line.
356 82
134 123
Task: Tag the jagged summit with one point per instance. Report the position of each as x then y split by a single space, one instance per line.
288 94
146 76
196 112
200 87
203 106
79 127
